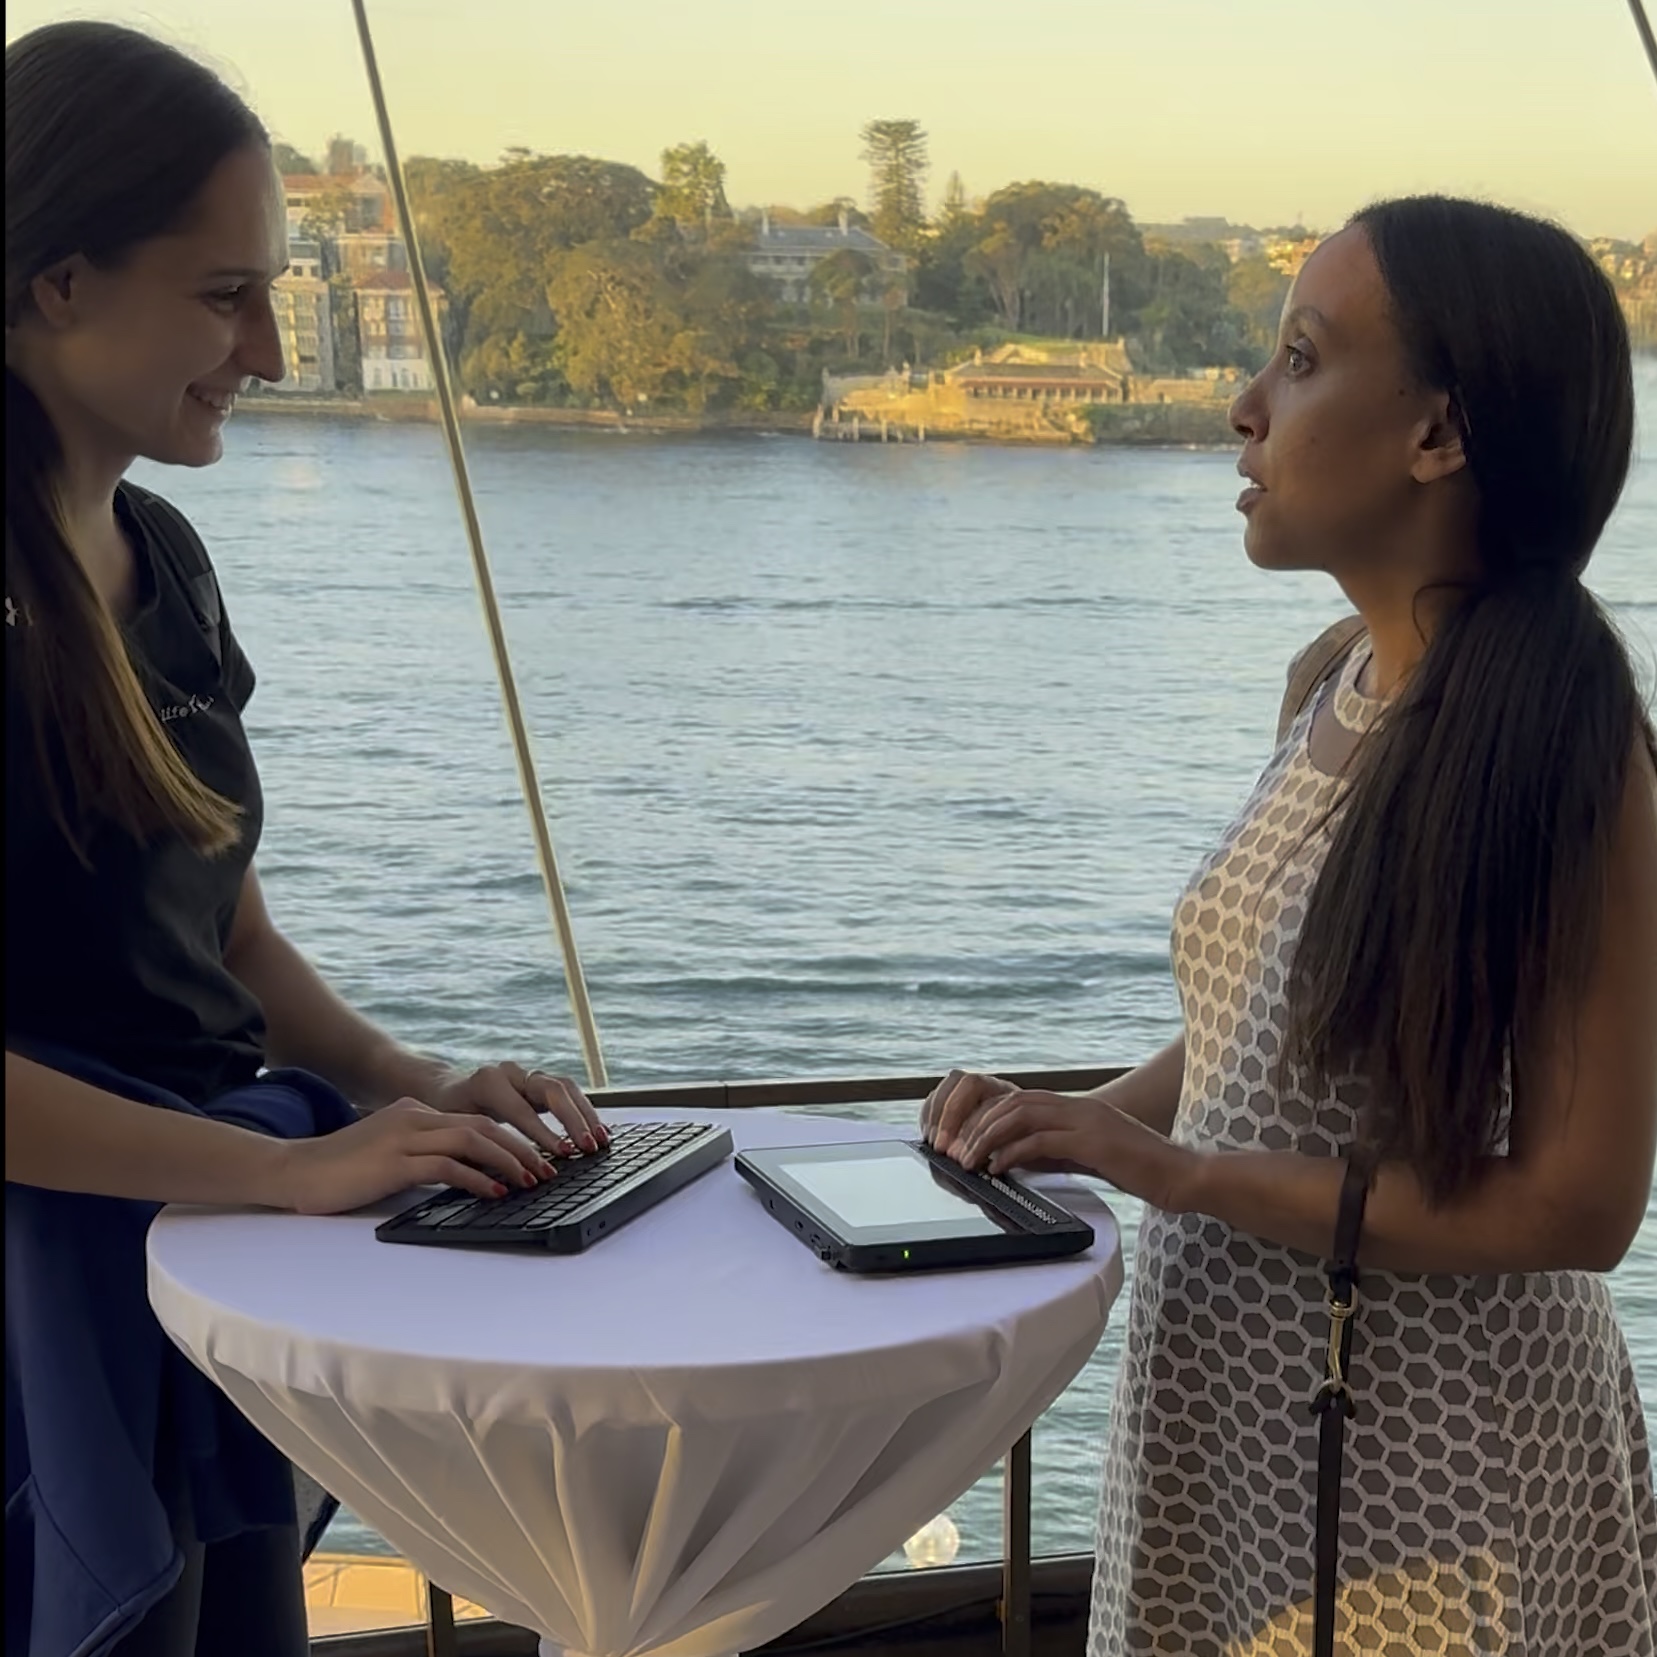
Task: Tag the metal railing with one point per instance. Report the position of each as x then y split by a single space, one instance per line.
797 1093
953 1609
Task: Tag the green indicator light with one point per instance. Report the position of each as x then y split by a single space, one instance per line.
906 1254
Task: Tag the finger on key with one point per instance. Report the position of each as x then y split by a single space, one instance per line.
927 1108
446 1170
932 1112
505 1098
956 1105
553 1093
490 1147
582 1117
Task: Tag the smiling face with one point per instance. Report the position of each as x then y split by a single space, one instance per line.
1341 440
145 357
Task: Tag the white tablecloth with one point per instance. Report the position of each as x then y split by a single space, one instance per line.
682 1443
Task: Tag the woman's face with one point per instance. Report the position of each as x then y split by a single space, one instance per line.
146 358
1340 437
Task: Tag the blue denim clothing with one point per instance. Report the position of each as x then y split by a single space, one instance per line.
92 1383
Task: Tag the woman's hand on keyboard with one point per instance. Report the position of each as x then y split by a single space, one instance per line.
956 1103
961 1107
404 1145
1061 1133
509 1093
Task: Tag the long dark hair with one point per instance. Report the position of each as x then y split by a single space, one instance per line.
1457 917
110 137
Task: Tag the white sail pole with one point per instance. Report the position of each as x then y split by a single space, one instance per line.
574 980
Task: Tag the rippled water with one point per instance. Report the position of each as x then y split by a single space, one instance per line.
857 758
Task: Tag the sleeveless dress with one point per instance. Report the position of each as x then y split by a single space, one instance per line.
1498 1495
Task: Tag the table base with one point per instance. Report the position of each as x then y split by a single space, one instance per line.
550 1648
1015 1574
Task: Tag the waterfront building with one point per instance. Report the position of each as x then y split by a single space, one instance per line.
785 255
362 252
388 326
302 304
351 202
1097 371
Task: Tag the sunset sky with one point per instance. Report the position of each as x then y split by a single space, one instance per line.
1264 112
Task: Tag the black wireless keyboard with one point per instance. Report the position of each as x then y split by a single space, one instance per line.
589 1196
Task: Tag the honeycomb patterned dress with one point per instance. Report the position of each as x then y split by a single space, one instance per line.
1498 1496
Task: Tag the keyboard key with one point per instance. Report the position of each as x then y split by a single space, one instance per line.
579 1182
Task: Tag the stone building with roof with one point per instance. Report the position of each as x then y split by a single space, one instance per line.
785 255
1032 391
1097 371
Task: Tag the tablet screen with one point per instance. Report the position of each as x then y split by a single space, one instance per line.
897 1190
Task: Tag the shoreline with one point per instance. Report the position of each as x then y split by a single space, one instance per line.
404 409
1140 426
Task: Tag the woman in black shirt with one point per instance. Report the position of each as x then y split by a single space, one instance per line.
144 227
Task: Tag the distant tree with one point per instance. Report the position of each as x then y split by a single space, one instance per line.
290 161
726 311
502 226
956 209
693 187
894 296
1256 293
1040 249
942 283
761 380
342 311
433 188
897 158
616 326
514 367
329 213
1184 324
581 198
842 281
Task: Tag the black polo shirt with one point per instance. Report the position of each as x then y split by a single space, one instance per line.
125 962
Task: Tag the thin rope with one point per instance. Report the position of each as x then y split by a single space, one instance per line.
574 981
1647 39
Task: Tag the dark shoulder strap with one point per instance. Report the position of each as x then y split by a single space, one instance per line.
1334 1401
172 529
1314 665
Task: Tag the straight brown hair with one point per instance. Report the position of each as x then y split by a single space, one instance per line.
110 138
1457 917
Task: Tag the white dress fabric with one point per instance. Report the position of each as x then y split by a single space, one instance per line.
681 1443
1498 1496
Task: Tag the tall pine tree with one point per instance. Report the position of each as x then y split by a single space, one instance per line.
896 154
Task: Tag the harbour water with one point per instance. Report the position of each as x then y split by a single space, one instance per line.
857 758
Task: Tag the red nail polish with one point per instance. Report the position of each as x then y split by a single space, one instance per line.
499 1189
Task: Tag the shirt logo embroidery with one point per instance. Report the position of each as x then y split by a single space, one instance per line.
183 710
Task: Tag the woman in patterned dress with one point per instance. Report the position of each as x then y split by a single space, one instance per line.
1429 938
